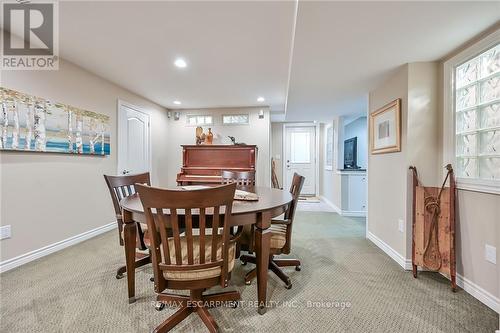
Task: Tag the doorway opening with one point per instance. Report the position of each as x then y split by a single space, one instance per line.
300 150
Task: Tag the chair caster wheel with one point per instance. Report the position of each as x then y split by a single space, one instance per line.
152 279
289 285
298 268
248 283
119 276
243 263
159 306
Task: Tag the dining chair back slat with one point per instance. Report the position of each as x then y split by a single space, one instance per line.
213 204
241 178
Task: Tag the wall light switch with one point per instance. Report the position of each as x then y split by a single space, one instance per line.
401 225
5 232
490 254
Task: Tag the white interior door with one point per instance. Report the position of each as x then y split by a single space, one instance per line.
300 157
134 150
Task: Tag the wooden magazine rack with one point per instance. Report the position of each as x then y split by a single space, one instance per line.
433 243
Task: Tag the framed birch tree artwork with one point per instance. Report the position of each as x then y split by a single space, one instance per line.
385 128
30 123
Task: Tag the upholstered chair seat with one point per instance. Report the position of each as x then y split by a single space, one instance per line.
199 274
278 236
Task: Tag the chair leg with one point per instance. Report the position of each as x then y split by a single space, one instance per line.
197 302
245 258
138 263
238 251
280 274
174 319
142 262
120 271
288 262
207 319
250 276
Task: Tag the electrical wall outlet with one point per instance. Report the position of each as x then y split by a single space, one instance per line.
5 232
401 225
490 254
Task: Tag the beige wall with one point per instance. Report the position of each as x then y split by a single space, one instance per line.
258 132
47 198
387 172
420 87
388 177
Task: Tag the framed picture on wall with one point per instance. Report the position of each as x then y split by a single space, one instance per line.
329 147
385 128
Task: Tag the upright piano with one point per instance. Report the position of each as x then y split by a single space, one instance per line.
202 164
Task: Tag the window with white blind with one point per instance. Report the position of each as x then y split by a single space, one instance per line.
477 116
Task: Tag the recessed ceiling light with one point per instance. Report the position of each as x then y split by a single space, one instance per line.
181 63
177 102
260 99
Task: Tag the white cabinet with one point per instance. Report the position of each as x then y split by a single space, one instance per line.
353 189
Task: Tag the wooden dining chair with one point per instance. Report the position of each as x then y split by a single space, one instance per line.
281 238
241 178
189 261
244 180
119 188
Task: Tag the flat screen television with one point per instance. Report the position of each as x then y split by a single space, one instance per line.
350 153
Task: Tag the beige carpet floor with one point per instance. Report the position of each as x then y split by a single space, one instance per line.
346 284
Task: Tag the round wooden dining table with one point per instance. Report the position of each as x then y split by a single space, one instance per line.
271 203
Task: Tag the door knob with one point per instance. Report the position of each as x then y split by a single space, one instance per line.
125 172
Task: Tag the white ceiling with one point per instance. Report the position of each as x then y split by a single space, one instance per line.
237 51
343 49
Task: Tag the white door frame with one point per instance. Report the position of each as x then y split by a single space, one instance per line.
120 135
316 153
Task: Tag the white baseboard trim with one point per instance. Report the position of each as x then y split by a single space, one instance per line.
479 293
396 256
46 250
470 287
331 204
353 213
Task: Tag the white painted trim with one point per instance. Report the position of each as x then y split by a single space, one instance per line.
353 213
327 127
121 119
46 250
331 204
479 185
470 287
479 293
402 261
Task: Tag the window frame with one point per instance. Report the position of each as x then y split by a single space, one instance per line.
236 115
449 117
199 115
